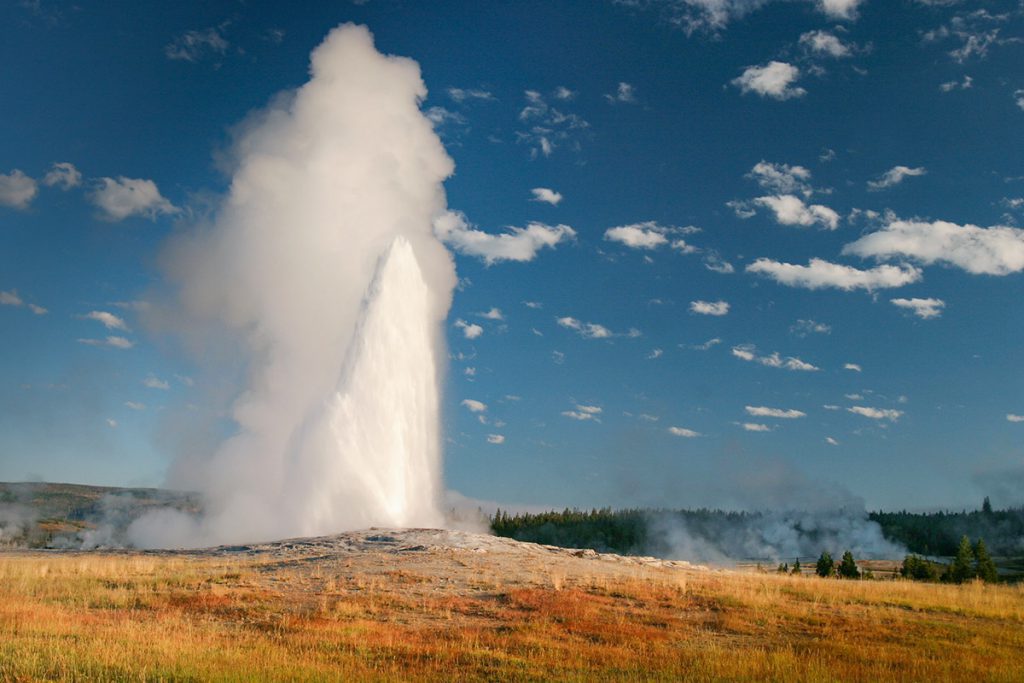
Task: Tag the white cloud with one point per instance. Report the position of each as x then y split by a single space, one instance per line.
496 438
584 412
773 79
112 423
791 210
715 15
546 195
782 178
780 413
112 341
683 248
17 190
516 244
37 309
708 345
853 367
716 264
922 308
470 330
461 95
564 93
547 127
624 93
63 175
154 382
645 235
709 307
825 43
820 273
192 46
998 250
440 116
748 352
493 314
895 176
755 427
109 320
831 407
877 413
135 405
1018 96
586 330
474 406
802 328
1014 418
683 432
830 441
124 197
533 304
655 354
839 9
10 298
950 86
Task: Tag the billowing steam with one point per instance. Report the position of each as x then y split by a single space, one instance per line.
323 259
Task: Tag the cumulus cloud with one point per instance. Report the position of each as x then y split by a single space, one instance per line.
709 307
853 367
516 244
683 432
839 9
755 427
10 298
153 382
922 308
546 195
748 352
63 175
109 320
493 314
113 342
716 264
781 413
623 94
782 178
474 406
118 199
585 330
895 176
17 190
877 413
998 250
470 330
825 43
774 79
192 46
496 438
584 413
462 94
791 210
802 328
1010 417
645 235
819 274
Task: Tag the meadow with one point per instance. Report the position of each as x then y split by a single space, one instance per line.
456 615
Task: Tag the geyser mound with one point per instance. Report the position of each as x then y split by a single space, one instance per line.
322 264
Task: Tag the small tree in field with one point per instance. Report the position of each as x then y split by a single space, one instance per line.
984 567
824 566
962 568
848 568
796 567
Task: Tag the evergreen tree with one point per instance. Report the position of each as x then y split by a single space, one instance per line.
919 569
796 566
848 568
984 567
962 568
986 507
825 564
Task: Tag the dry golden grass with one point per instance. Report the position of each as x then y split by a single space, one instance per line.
138 617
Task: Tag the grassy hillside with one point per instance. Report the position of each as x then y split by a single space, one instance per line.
119 617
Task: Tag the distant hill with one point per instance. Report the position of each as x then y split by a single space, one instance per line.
43 515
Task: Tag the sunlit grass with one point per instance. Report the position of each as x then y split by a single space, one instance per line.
103 617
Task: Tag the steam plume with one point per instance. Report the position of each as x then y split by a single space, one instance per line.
322 258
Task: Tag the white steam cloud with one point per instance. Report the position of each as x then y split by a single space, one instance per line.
323 260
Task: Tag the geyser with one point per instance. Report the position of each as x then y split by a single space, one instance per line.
322 261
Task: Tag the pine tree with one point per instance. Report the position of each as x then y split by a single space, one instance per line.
824 566
848 567
986 507
984 567
796 566
962 568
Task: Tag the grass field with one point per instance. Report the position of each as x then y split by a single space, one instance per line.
145 617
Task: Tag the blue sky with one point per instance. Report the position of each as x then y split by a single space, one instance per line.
789 267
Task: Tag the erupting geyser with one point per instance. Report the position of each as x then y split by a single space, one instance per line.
323 261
